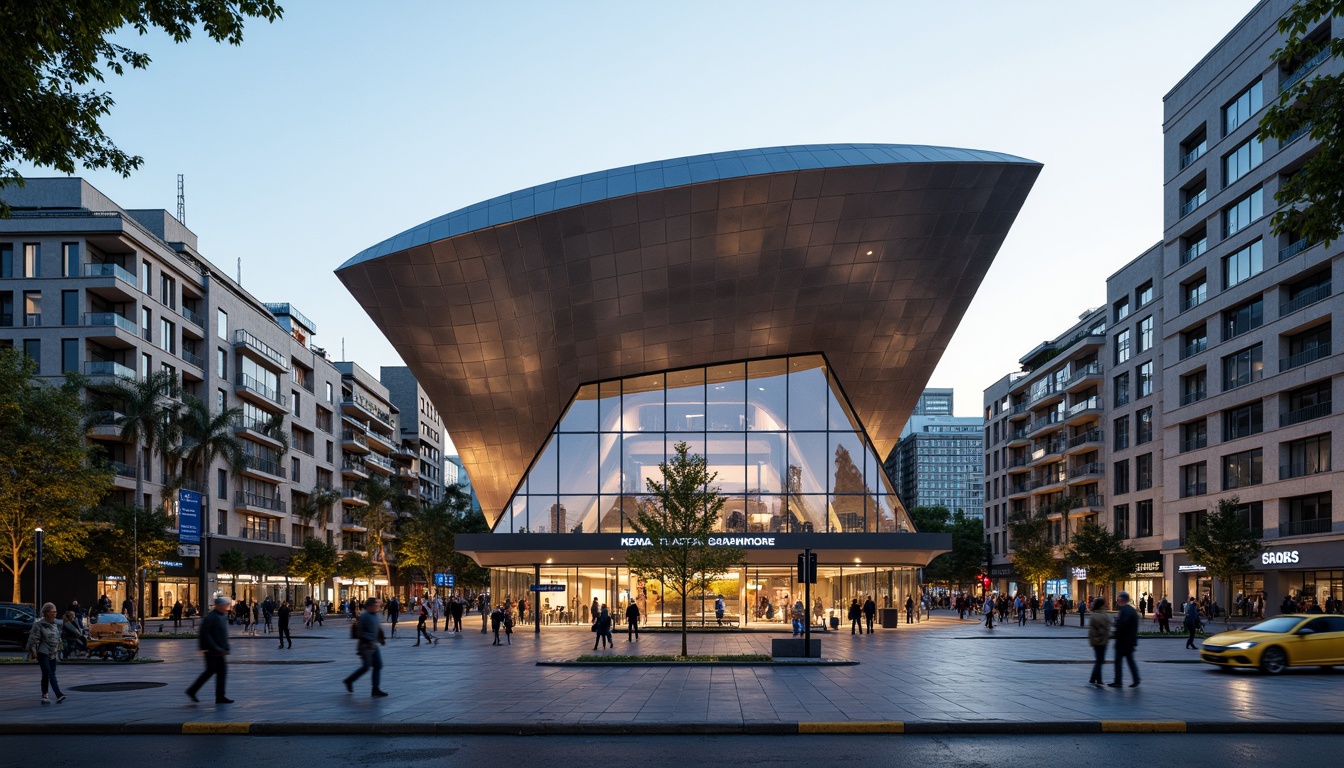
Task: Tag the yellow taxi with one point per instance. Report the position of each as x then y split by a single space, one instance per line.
1291 640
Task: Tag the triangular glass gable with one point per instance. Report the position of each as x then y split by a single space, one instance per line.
789 453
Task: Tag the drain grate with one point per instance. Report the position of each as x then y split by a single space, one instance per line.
279 661
115 687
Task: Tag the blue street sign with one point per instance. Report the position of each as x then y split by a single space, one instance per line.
548 587
188 517
444 579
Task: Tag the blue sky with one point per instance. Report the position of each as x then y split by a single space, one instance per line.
346 123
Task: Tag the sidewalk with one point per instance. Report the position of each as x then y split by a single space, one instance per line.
939 676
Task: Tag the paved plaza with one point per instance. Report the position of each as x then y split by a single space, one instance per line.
943 674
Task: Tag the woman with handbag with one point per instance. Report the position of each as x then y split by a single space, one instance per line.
44 644
1098 636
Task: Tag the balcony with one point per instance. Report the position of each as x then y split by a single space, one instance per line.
1193 155
1195 250
354 468
122 286
1194 396
1083 409
123 474
274 537
106 425
1289 418
1086 438
1017 463
254 465
354 441
1194 347
105 369
1018 410
1305 527
1194 489
1018 489
193 359
1294 248
260 349
1047 420
1086 373
1090 502
1295 135
1304 69
1190 302
1019 435
258 502
356 406
352 496
1092 469
1194 202
257 392
378 464
351 523
193 318
1303 469
32 320
1309 355
1305 298
1049 451
111 319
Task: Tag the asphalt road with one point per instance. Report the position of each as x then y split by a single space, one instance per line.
1111 750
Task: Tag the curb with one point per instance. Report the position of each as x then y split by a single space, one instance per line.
666 729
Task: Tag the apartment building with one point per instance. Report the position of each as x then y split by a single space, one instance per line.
1249 357
939 458
421 433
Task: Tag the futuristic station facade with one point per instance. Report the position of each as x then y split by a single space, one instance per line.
779 310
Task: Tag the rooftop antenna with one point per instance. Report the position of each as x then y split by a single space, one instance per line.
342 347
181 199
240 270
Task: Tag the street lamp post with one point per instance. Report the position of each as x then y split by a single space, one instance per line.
39 535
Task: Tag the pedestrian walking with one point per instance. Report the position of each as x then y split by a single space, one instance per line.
368 636
1191 622
631 621
420 625
719 607
282 623
909 610
497 622
457 607
176 615
799 618
267 615
1082 612
989 613
213 641
1098 636
602 626
44 644
1126 639
869 611
393 615
855 617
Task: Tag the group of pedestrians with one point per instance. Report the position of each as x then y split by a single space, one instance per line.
1124 628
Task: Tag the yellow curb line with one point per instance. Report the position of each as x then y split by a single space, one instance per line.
889 726
1143 726
231 728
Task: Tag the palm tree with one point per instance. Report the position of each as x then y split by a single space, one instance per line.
275 429
206 437
386 501
314 504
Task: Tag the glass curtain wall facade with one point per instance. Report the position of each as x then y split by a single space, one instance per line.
788 453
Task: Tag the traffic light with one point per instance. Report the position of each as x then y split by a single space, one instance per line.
984 580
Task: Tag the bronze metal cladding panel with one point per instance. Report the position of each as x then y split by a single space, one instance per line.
871 265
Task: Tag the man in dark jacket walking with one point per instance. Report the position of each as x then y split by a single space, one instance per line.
631 622
1126 639
282 616
869 611
368 633
214 642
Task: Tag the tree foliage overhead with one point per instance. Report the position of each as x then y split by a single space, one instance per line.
1103 553
1224 544
966 560
1312 199
49 475
52 53
315 562
428 539
1033 554
677 518
126 540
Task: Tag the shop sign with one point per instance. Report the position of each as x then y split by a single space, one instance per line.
1191 568
169 563
188 550
188 517
1080 574
713 541
548 587
1002 571
444 579
1150 566
1286 557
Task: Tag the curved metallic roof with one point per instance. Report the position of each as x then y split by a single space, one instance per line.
869 254
662 174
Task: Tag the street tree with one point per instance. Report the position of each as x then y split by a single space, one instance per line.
1225 544
314 563
960 566
202 437
1103 553
315 505
385 499
426 540
129 542
1032 553
49 475
1311 200
233 561
676 520
51 52
263 566
930 519
467 518
355 565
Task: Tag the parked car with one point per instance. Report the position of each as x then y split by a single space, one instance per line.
16 619
1291 640
112 636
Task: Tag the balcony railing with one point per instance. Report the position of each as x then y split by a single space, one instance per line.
1090 500
351 436
275 537
1195 347
194 359
1193 155
351 493
259 501
1082 372
110 270
354 466
242 421
263 465
1194 396
1294 248
1194 443
1091 468
1090 436
1090 404
1020 432
1303 469
122 469
1295 135
1308 355
377 460
1289 418
1194 202
102 319
241 336
32 320
1195 250
109 368
1304 69
1194 489
1019 488
1303 527
1305 298
193 318
249 383
1190 302
368 408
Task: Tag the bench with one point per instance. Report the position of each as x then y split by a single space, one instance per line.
729 620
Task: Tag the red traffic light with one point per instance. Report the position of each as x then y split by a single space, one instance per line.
985 581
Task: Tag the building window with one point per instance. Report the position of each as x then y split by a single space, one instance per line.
1194 292
1144 419
1243 318
1243 421
1194 341
146 324
1121 309
1242 368
69 307
6 259
1307 514
1122 346
1120 522
32 260
1121 387
1243 265
1240 109
1240 214
1306 347
1143 472
167 335
32 348
1194 435
295 466
222 362
1143 518
221 401
167 291
1194 480
329 394
70 259
146 365
1121 430
1241 160
1309 402
1194 387
1121 479
1146 334
1308 456
69 355
222 324
222 483
32 309
1143 295
1146 379
331 452
1242 469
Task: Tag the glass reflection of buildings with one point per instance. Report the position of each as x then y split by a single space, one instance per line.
789 457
